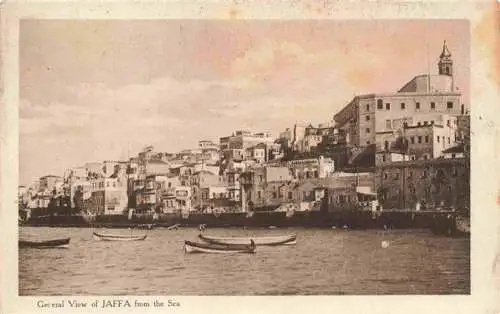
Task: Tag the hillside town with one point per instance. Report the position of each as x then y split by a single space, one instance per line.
407 149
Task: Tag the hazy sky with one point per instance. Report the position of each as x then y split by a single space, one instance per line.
92 89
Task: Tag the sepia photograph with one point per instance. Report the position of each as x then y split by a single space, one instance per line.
244 157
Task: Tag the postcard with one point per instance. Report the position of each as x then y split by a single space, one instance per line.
198 157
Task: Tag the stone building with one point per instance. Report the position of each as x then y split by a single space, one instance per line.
243 139
432 183
107 196
254 182
423 139
366 115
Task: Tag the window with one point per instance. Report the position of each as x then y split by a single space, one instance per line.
424 174
367 142
275 195
290 196
426 157
304 195
383 158
427 138
410 174
419 124
419 139
449 105
454 172
259 194
449 140
396 176
385 175
402 105
417 105
367 118
367 130
388 124
425 122
380 104
453 155
412 140
432 122
367 107
438 138
448 123
388 106
386 145
433 105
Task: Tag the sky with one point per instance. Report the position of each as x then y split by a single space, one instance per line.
94 90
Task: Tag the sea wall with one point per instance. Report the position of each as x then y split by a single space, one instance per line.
440 222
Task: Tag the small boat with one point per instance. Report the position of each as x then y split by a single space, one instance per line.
117 237
173 227
289 239
194 247
45 244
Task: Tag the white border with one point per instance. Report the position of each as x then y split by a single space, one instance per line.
484 103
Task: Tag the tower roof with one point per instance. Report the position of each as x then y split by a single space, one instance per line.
445 53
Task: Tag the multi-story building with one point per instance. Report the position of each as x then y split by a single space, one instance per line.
233 184
50 182
108 196
253 183
207 145
93 169
243 139
111 166
424 137
309 168
432 183
424 95
201 181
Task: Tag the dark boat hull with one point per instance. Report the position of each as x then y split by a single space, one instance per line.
289 239
45 244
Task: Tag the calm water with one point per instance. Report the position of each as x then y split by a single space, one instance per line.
327 262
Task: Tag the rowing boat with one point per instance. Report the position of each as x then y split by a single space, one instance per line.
45 244
194 247
117 237
267 240
173 227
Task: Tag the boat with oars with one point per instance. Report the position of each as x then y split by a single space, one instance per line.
56 243
118 237
194 247
289 239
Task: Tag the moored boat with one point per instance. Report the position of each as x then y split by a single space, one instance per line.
173 227
194 247
45 244
118 237
289 239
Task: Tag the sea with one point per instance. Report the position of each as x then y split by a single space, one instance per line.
323 262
